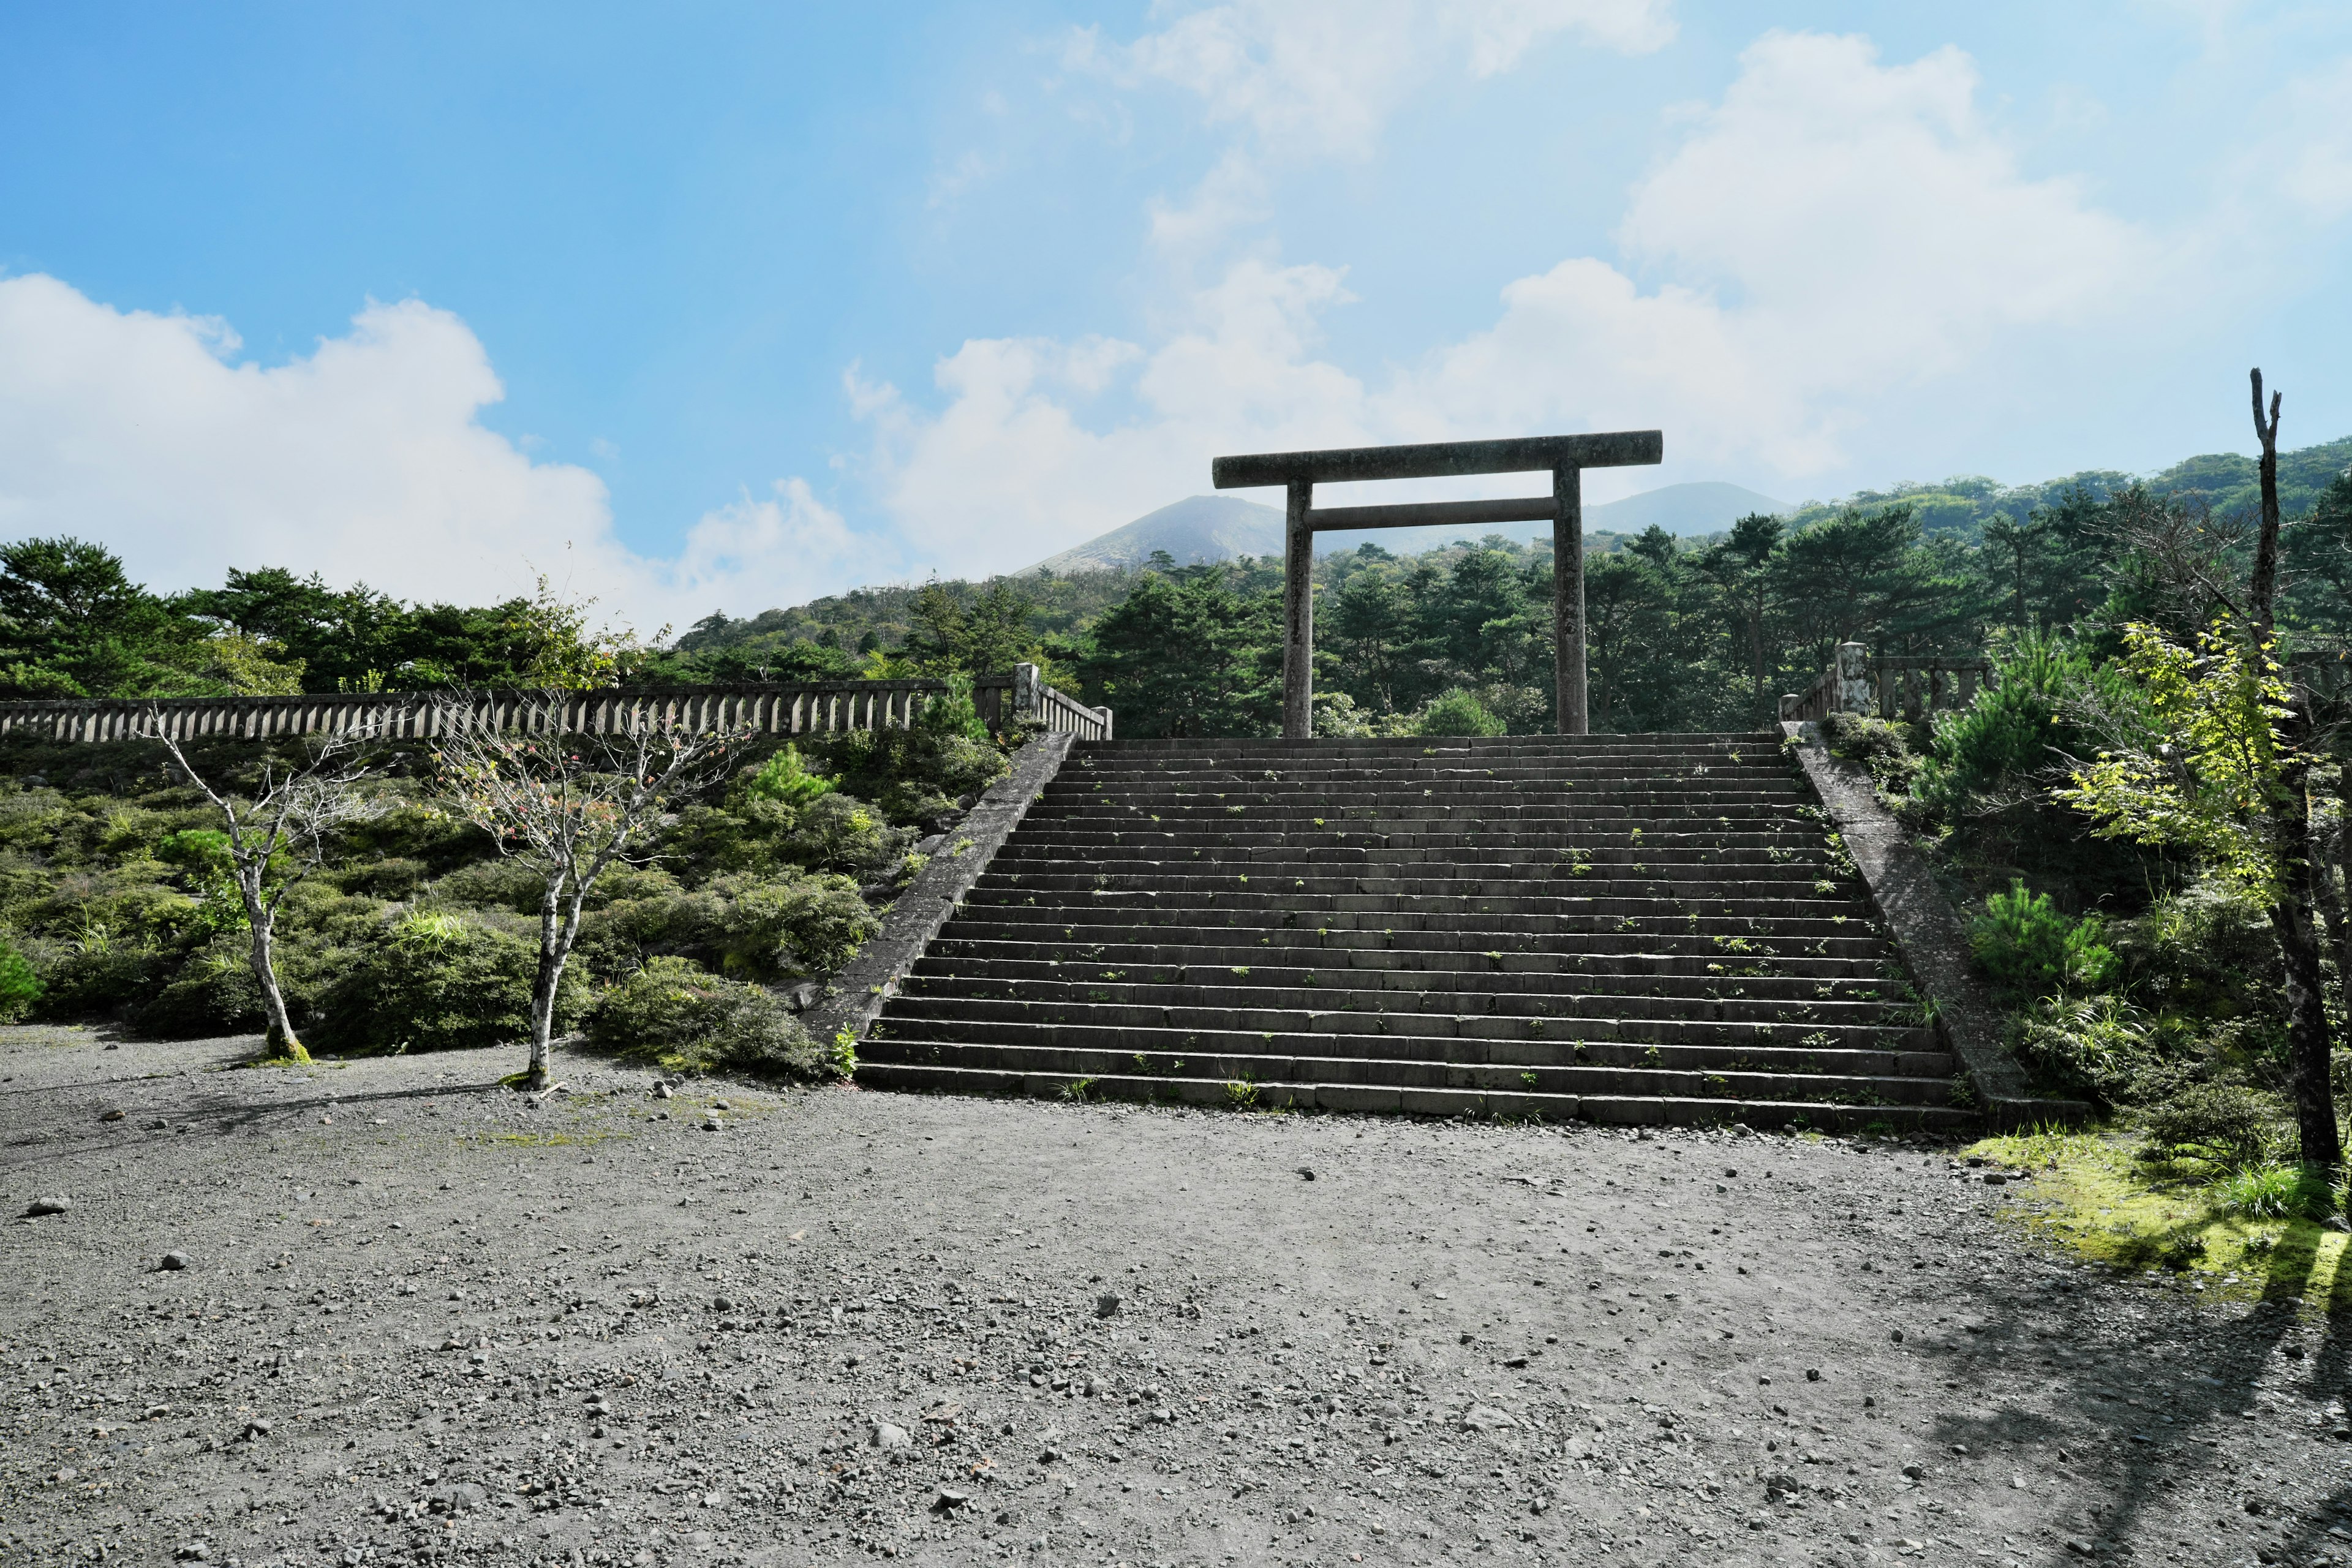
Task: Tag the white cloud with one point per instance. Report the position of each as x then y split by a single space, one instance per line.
364 461
1834 236
2306 144
1321 76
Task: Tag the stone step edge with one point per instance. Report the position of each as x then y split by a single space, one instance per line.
1616 1110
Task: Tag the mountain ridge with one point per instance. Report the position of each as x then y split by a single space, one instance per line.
1214 528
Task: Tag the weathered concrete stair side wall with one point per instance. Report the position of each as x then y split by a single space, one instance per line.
870 979
1928 935
1614 928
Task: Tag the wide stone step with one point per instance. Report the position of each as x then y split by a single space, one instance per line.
1633 955
1716 915
1580 1079
1619 1110
1217 869
1629 929
1662 847
1411 930
1240 987
1538 974
1269 1021
923 1039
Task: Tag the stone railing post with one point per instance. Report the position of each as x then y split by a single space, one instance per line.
1028 692
1854 693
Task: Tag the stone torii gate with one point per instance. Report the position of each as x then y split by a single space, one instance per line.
1566 457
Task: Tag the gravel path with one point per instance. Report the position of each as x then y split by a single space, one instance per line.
423 1318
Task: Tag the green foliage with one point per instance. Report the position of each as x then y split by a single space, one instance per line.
20 984
1457 712
803 924
212 991
2278 1192
1195 651
784 778
2229 1127
437 982
841 833
2032 949
672 1015
2211 760
2102 1048
953 713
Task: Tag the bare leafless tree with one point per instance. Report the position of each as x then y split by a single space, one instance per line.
278 833
571 807
2299 868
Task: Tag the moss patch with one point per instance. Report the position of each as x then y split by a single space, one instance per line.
2092 1198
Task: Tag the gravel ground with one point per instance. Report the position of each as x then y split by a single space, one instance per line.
423 1318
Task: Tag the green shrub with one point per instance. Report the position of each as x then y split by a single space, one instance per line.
2033 950
439 982
953 713
809 923
2278 1192
94 976
1457 712
20 984
2099 1046
497 883
673 1014
910 773
394 877
213 991
841 833
783 778
1880 745
2205 952
2016 732
2228 1126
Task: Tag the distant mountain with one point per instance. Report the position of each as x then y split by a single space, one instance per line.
1194 530
1706 506
1218 528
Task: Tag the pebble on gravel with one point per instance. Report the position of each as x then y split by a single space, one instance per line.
887 1436
48 1205
114 1115
173 1262
661 1090
1107 1306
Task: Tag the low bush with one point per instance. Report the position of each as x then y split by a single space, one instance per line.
1457 712
806 924
2227 1126
2100 1046
20 983
675 1014
213 993
2278 1192
2032 949
439 982
783 778
841 833
94 976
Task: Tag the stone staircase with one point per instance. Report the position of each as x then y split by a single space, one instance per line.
1615 928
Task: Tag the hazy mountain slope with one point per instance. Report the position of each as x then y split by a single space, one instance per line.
1196 529
1218 528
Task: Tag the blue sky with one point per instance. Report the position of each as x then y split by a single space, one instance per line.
718 306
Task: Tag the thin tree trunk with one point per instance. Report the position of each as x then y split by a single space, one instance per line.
2342 927
281 1042
2306 1011
551 954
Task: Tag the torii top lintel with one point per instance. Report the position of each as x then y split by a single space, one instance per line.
1436 460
